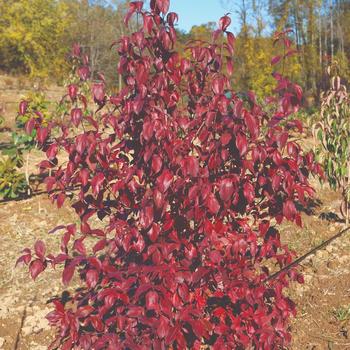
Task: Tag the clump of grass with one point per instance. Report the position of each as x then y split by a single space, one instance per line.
342 313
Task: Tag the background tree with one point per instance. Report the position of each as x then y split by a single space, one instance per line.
321 34
33 36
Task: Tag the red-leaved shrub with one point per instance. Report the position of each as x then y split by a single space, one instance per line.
190 180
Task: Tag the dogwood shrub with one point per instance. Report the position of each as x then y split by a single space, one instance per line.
189 180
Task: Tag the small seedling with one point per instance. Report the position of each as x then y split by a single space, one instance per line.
342 313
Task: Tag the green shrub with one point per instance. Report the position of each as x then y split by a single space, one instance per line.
333 132
12 183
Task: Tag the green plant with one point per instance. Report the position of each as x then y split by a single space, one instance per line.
309 116
342 313
333 131
12 183
20 144
34 101
2 119
23 140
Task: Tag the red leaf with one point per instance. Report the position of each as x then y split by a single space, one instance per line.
226 189
138 5
152 300
99 246
96 323
238 108
98 91
79 246
275 60
67 345
172 18
229 64
249 192
183 292
26 258
72 91
52 151
97 182
276 181
76 115
76 50
192 166
29 126
84 73
224 22
85 311
298 220
92 277
41 134
218 86
132 10
147 131
158 198
172 334
231 39
163 5
156 164
147 22
146 217
153 232
277 158
60 258
84 176
60 200
289 210
23 106
164 180
35 268
198 328
299 91
163 327
185 65
68 273
251 124
39 248
242 144
225 138
213 204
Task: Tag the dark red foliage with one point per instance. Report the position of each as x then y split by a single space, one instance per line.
190 180
23 107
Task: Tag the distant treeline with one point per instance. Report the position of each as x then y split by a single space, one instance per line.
36 36
321 32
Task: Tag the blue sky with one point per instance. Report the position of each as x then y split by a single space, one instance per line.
196 12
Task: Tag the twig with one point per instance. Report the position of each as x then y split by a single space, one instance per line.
34 194
198 131
303 257
18 336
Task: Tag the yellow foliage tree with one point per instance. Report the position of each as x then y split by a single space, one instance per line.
33 36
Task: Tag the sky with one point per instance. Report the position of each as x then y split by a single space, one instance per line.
197 12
